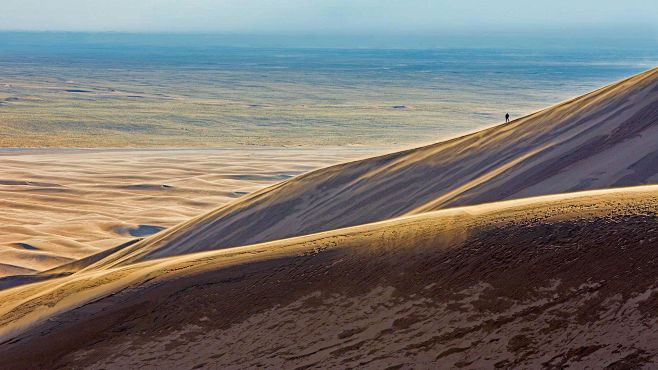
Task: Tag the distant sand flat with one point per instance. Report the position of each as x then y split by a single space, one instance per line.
63 205
263 97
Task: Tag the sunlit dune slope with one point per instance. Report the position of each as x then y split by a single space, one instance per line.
607 138
555 281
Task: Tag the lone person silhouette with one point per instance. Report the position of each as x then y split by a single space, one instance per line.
506 117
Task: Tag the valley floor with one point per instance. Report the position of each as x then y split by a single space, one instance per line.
62 205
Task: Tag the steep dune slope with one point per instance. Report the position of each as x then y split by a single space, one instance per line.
550 281
604 139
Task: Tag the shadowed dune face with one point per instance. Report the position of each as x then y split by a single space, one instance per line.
603 139
510 284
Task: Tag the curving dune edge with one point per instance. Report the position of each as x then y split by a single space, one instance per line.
605 139
451 255
508 284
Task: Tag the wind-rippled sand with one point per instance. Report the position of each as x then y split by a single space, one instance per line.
64 205
491 250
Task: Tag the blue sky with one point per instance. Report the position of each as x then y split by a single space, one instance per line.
329 16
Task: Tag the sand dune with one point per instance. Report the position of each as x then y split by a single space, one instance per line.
448 254
607 138
63 205
553 281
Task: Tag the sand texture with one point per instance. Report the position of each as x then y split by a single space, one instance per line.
554 281
607 138
60 206
526 245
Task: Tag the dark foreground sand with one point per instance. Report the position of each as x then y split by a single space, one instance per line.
548 282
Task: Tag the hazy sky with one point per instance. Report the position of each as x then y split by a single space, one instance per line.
328 16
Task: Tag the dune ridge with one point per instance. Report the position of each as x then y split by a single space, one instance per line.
607 138
440 286
520 246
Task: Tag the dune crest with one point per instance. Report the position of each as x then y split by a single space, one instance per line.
607 138
448 254
439 287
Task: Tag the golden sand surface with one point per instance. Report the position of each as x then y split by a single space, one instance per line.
605 139
556 280
61 205
525 245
